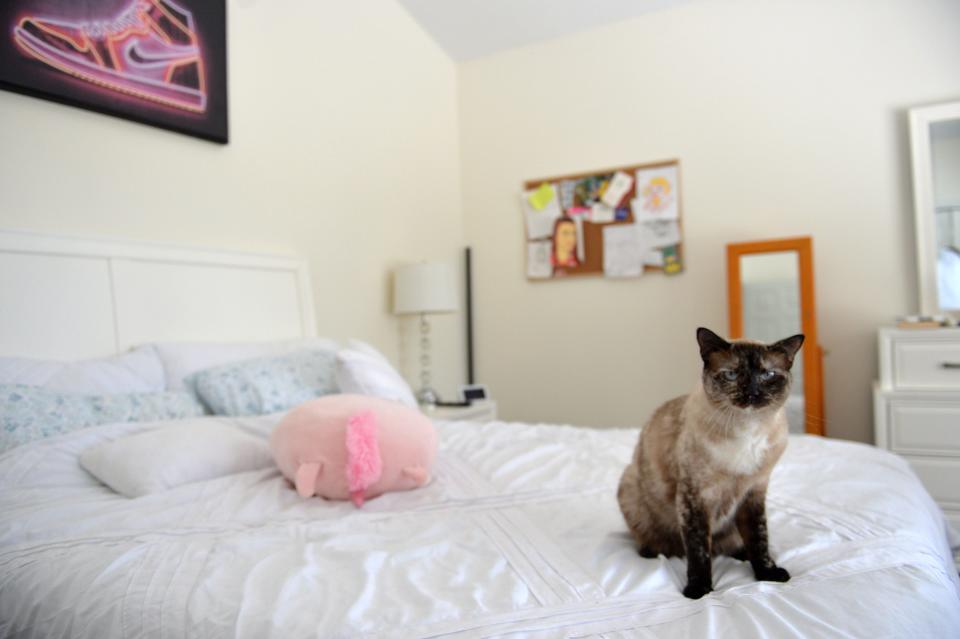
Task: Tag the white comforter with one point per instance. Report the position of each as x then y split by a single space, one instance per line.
518 534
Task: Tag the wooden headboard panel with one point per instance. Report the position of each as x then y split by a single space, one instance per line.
69 298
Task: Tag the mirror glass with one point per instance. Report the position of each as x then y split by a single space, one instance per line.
770 290
945 163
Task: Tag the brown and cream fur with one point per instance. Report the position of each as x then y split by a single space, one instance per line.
696 486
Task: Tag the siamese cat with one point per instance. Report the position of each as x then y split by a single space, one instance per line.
697 483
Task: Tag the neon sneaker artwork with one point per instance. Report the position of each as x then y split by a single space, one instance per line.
148 50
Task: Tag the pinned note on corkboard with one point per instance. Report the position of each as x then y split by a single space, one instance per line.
619 222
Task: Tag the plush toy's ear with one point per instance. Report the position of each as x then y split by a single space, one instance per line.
418 474
307 475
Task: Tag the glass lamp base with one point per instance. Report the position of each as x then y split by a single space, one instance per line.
427 396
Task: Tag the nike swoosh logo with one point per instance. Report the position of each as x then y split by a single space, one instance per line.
136 54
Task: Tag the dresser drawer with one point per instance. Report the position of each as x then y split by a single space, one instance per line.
920 364
924 427
941 477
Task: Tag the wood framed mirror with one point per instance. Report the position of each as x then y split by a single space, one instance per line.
771 296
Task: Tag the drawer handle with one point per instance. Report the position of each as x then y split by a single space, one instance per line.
955 365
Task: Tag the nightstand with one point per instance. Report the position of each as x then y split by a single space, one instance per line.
480 411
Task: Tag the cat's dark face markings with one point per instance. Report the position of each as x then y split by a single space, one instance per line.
746 375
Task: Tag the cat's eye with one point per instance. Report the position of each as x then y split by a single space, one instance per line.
730 376
767 375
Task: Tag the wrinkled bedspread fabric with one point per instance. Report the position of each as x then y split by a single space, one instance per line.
518 535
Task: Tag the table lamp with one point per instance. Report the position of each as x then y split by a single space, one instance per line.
424 288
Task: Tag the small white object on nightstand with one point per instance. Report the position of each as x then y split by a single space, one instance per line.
481 411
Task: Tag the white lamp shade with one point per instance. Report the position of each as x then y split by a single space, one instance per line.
427 287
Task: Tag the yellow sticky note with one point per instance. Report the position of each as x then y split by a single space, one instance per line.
541 197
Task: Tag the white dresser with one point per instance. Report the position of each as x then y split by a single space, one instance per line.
917 407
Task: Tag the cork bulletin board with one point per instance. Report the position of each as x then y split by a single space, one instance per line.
620 222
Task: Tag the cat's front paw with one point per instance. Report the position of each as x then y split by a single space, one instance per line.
697 589
774 573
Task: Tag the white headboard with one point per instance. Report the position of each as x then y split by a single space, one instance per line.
71 298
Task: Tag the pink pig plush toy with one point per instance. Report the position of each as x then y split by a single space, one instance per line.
354 447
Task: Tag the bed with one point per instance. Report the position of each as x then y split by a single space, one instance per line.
518 534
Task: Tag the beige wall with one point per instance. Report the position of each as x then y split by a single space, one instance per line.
786 116
788 119
349 158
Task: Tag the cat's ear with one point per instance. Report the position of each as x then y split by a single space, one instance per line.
788 347
710 342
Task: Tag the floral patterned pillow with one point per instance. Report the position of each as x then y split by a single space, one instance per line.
268 384
28 413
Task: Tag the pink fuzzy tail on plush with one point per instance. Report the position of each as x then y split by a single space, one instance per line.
363 455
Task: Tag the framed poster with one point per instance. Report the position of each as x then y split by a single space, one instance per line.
159 62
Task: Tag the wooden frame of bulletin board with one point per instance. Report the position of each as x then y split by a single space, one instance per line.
618 222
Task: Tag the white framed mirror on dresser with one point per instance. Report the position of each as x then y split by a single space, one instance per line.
917 398
935 160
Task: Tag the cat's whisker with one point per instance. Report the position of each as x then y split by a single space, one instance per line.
719 423
729 415
818 420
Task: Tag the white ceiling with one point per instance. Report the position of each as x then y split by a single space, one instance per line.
473 28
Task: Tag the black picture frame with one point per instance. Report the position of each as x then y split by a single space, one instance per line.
158 62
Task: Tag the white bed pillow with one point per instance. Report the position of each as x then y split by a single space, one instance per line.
363 370
182 359
138 371
164 458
